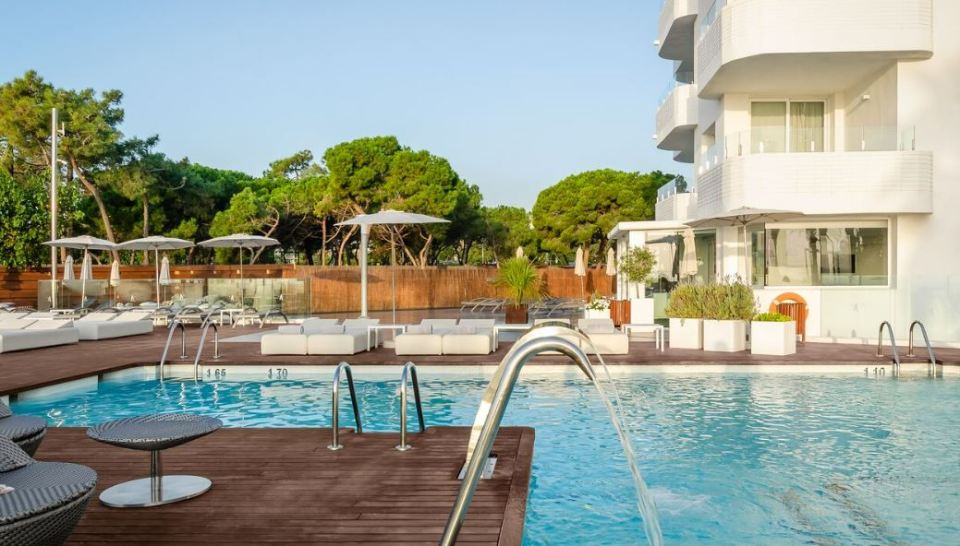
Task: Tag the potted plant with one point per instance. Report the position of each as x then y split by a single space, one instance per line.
519 278
598 307
727 307
773 334
685 311
636 266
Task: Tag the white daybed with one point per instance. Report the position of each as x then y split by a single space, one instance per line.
425 338
106 325
291 339
605 337
470 337
351 337
23 334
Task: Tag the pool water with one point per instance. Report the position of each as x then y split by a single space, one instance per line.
732 458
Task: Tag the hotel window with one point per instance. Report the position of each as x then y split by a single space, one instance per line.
780 126
828 255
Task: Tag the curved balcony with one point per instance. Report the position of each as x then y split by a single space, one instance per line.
677 122
675 32
884 182
815 46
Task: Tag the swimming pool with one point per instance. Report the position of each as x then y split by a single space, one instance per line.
732 458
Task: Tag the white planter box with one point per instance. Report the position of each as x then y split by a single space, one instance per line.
641 310
595 313
686 333
728 336
773 338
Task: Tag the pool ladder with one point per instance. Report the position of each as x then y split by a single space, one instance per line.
407 376
885 325
178 324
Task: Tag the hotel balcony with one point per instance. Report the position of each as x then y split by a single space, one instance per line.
898 180
675 202
676 29
809 47
677 121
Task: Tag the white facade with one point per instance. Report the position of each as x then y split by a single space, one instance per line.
846 111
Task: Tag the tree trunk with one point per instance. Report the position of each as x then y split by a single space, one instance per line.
323 244
343 244
101 206
146 227
425 252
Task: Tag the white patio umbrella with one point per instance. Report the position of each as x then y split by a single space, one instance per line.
240 241
165 271
114 279
85 243
68 269
384 217
86 268
519 252
611 262
156 243
743 217
580 268
688 264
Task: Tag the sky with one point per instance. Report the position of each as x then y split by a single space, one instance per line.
515 94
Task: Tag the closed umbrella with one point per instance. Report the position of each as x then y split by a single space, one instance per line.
580 268
240 241
165 271
85 243
519 252
611 262
68 269
86 268
156 243
115 278
384 217
688 265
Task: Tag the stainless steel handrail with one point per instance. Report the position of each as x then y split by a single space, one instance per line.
926 341
343 368
893 345
493 406
175 325
203 337
408 374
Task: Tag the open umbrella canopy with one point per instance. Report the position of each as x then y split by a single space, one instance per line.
239 240
390 216
744 216
383 217
155 242
82 242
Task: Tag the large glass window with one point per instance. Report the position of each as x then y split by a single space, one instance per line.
772 130
826 256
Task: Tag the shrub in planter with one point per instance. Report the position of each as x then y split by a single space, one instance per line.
636 266
727 307
773 334
520 280
685 310
597 307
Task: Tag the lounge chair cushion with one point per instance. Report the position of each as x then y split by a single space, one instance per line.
276 343
15 323
349 342
418 344
50 324
99 316
597 326
418 329
463 330
19 340
134 316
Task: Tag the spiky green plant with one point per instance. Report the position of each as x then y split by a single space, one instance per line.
519 278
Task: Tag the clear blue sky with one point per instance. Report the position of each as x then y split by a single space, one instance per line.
516 94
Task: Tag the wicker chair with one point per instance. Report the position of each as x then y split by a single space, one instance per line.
27 432
46 501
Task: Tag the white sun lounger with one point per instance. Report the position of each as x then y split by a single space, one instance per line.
107 324
34 334
291 339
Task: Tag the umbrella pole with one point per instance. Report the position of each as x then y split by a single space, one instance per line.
241 277
156 270
83 281
364 239
393 275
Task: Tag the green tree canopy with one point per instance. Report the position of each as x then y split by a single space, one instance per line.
581 209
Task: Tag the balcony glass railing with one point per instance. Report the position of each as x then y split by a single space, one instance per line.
675 186
711 15
765 141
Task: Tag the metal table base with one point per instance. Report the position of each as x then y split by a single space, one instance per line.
155 490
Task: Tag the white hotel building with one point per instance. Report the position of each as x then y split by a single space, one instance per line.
847 111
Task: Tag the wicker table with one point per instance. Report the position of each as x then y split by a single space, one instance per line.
154 433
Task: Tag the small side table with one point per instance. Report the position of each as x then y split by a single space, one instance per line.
374 331
657 330
154 433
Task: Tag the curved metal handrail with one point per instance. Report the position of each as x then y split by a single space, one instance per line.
893 344
545 337
926 341
343 368
408 374
203 337
174 326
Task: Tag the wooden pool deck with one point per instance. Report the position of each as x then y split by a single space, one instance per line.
273 486
25 370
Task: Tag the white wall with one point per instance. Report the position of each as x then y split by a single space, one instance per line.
928 253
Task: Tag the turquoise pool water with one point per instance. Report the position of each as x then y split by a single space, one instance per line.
733 458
